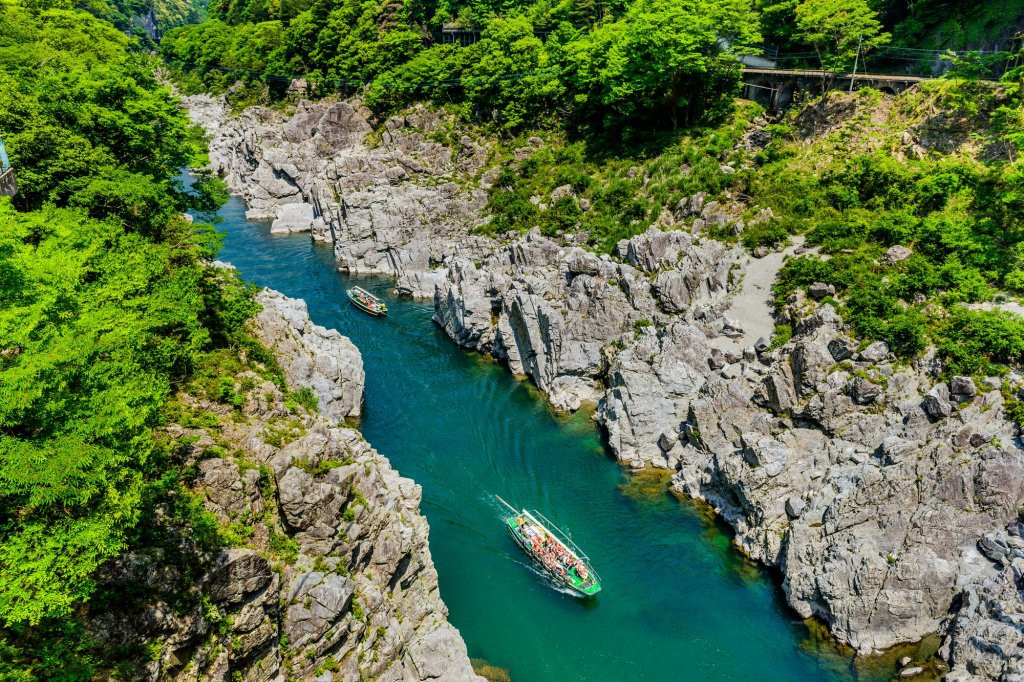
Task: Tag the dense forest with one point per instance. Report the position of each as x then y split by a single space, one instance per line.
106 308
594 64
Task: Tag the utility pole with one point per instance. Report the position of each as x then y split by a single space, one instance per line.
856 58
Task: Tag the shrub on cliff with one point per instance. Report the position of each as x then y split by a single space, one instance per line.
972 340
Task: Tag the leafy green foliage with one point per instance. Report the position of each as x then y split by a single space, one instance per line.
837 29
662 59
951 212
106 307
971 340
622 191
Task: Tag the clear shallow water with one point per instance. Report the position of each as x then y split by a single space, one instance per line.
678 602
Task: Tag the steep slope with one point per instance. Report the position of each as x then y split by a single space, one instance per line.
329 575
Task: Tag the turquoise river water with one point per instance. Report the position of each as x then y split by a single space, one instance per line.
678 602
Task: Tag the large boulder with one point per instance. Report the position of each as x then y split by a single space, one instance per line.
293 218
986 640
237 574
441 655
316 601
462 307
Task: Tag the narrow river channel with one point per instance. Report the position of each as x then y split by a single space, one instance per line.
678 602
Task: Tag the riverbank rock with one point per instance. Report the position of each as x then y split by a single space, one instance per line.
892 501
986 636
310 355
571 321
398 207
332 579
293 218
871 485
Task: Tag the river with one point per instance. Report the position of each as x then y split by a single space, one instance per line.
679 603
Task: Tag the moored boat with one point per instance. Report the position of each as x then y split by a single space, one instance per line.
367 302
552 550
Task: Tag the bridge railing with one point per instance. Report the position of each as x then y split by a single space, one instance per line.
902 61
466 37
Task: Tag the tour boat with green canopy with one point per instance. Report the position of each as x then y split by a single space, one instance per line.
552 550
367 302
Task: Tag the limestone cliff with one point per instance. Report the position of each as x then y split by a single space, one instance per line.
330 576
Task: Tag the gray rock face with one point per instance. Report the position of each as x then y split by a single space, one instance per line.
336 568
311 355
293 218
236 574
399 208
316 602
569 321
986 636
859 507
229 490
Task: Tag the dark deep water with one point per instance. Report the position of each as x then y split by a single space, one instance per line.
678 602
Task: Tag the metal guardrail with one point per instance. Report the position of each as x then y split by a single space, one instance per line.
842 75
8 185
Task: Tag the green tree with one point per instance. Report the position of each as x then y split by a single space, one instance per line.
508 76
838 30
665 60
105 305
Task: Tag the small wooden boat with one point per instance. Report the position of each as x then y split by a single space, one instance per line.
367 302
552 550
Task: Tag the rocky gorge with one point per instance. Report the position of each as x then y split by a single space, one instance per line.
887 497
330 577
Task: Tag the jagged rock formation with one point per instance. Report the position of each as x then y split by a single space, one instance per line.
986 639
333 579
310 355
866 483
397 208
572 321
836 467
